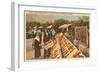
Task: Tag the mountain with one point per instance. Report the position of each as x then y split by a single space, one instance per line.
42 18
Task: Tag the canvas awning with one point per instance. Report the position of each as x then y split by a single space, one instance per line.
65 26
49 26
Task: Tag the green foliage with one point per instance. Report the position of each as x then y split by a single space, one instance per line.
82 21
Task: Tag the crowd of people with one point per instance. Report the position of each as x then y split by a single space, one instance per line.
41 36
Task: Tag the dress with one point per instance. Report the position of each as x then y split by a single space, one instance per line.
37 48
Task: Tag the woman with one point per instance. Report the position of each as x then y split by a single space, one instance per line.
37 47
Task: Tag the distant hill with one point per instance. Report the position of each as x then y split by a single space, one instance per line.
39 18
47 17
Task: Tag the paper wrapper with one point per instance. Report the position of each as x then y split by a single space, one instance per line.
62 47
68 49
